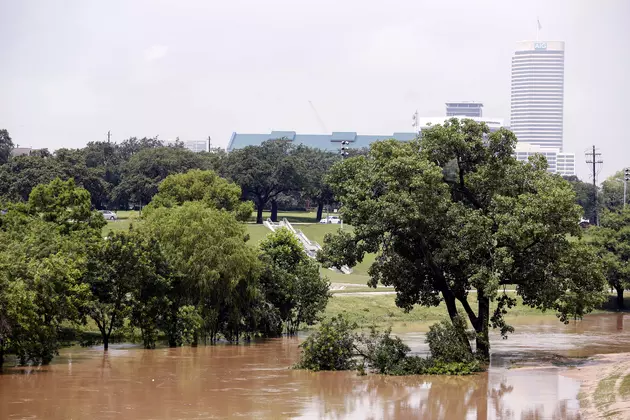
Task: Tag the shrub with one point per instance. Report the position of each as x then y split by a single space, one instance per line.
331 347
335 347
381 352
448 342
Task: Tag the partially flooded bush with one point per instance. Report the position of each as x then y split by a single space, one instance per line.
335 347
388 355
381 352
448 341
331 347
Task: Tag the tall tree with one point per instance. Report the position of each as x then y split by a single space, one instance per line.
612 192
291 281
493 222
146 168
264 172
585 194
114 268
21 174
65 205
40 269
6 145
206 249
613 241
204 186
316 163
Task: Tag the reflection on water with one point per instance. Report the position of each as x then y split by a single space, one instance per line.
253 381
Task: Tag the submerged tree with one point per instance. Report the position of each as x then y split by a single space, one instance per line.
213 268
454 211
291 281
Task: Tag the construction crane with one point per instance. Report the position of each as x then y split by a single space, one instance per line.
319 119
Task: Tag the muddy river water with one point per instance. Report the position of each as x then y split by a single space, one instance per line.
254 381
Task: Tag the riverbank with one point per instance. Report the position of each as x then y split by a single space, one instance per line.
605 386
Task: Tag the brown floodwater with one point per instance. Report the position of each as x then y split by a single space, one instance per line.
254 381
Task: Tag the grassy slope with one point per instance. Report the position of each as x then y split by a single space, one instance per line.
382 310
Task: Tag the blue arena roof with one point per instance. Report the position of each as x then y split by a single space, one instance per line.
330 142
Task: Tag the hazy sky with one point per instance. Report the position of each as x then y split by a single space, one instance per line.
72 70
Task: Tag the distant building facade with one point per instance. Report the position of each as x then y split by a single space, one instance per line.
464 109
21 151
197 145
330 142
537 100
559 162
493 123
192 145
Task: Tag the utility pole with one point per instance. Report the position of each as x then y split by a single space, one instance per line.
626 178
415 121
109 136
344 154
209 144
594 158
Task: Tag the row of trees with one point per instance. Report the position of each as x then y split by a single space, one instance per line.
186 275
607 197
118 176
274 176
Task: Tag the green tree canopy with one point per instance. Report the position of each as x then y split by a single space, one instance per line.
65 205
40 287
204 186
612 239
316 163
585 196
264 172
291 280
116 268
6 145
612 192
490 223
146 168
214 269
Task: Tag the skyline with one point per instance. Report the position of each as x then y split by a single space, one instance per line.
198 69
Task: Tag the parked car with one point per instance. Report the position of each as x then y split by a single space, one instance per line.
331 220
108 215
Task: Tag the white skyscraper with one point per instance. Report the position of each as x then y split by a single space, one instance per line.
538 93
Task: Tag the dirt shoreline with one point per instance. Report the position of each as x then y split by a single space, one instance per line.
605 386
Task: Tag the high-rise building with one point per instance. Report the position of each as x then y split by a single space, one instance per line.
464 109
538 93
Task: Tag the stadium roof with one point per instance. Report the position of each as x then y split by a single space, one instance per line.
330 142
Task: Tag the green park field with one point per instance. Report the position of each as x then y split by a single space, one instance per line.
366 308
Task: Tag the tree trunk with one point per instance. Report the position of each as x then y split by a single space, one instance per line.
449 299
259 213
274 211
105 341
620 303
1 357
483 317
320 212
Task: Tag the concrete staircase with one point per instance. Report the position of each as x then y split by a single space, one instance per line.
310 247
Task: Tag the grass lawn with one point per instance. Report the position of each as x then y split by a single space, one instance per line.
125 219
316 232
291 216
381 310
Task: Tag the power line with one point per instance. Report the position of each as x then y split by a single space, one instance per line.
594 157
